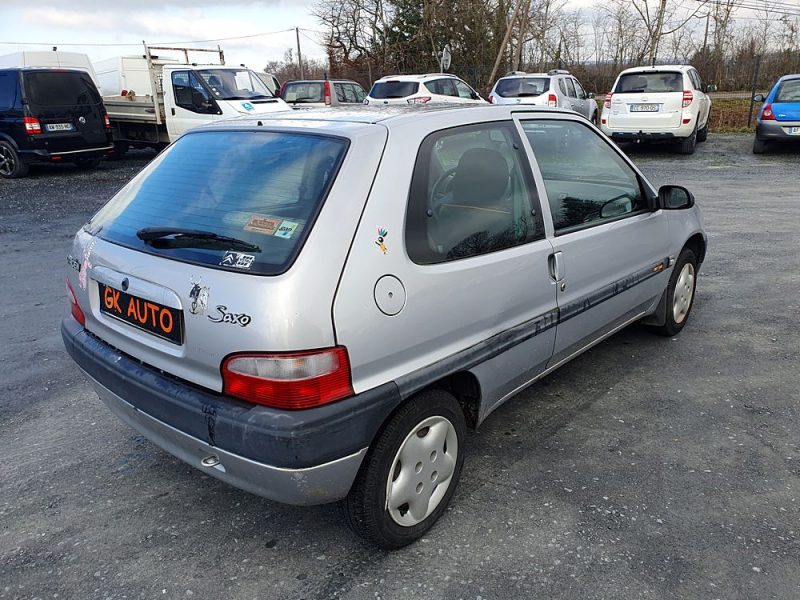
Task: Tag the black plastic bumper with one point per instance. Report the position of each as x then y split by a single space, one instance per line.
626 136
288 439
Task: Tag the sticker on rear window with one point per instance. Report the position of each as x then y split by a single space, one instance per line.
286 229
262 224
237 260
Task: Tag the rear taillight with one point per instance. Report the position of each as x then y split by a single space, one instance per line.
419 100
767 114
32 125
607 103
687 98
107 121
74 309
327 91
552 100
289 380
491 98
283 87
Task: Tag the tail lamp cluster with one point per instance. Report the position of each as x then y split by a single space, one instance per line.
74 308
289 380
767 114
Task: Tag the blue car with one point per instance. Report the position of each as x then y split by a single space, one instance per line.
779 117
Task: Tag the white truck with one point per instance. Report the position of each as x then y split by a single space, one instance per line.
152 99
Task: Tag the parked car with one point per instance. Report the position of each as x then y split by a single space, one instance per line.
50 115
333 298
665 103
321 93
422 89
554 88
779 117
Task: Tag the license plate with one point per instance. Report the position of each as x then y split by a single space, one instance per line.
154 318
793 130
59 126
644 107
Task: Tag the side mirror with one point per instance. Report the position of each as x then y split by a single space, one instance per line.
590 95
758 98
675 197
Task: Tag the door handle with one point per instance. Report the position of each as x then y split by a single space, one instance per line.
173 112
556 266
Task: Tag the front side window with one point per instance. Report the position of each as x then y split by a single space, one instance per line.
190 94
579 90
587 182
464 91
259 193
471 194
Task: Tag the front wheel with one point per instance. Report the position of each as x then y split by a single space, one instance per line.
411 472
680 293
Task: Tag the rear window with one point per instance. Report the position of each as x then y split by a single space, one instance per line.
262 188
522 87
60 88
650 82
386 90
789 91
303 92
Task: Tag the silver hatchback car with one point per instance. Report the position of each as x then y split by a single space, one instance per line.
316 307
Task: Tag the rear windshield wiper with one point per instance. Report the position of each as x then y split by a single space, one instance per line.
174 237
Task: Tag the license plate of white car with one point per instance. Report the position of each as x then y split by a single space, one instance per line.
59 127
793 130
644 107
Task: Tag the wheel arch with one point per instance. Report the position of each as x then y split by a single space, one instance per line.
697 243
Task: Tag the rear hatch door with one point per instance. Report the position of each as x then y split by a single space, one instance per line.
645 101
393 91
229 241
69 109
522 90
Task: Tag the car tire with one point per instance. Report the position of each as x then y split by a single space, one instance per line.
688 144
759 146
11 164
680 293
376 506
87 163
702 135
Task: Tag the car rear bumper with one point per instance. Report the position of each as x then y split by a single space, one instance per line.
776 130
296 457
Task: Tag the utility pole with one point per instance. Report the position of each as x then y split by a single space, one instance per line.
299 56
502 49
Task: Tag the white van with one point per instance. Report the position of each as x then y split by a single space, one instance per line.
51 58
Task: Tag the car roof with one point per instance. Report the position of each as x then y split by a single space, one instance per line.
655 68
418 77
521 75
320 81
789 76
57 69
345 120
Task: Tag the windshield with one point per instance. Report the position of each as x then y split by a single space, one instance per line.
650 82
60 88
234 84
789 91
302 92
521 87
262 189
385 90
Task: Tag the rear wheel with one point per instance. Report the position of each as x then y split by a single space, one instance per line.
680 293
702 135
11 164
688 144
759 146
411 472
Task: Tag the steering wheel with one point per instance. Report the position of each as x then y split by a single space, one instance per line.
436 193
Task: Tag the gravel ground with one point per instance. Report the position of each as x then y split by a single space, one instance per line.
647 468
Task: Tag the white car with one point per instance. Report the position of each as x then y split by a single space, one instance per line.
665 103
554 88
422 89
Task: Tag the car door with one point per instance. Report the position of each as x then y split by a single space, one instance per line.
189 105
610 259
11 126
450 264
705 99
585 107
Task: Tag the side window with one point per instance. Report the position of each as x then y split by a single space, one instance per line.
341 95
443 87
359 92
8 90
579 90
190 93
698 80
571 89
464 91
587 182
562 86
471 194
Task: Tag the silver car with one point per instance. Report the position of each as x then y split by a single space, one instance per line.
556 88
317 306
